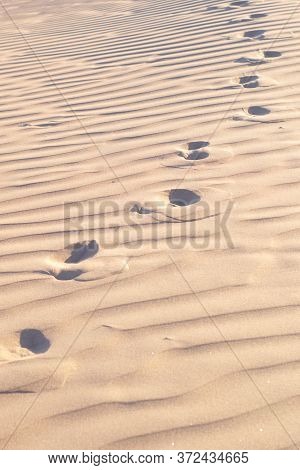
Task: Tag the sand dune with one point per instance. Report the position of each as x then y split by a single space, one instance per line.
149 210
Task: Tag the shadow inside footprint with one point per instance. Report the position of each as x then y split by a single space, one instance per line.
249 61
249 81
68 275
255 34
72 254
197 145
256 16
272 54
48 124
34 340
183 197
197 155
81 251
242 20
45 124
137 208
258 111
242 3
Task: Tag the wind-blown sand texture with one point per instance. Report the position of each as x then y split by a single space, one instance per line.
149 345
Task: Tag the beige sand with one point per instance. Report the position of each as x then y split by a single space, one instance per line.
118 344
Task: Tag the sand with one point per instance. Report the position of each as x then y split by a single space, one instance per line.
149 210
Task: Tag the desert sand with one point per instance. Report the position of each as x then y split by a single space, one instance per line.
149 211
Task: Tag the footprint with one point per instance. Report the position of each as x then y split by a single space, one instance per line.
249 61
81 251
238 21
258 58
258 111
187 205
76 252
34 340
67 275
271 54
212 8
255 81
256 16
197 144
75 263
23 345
231 6
183 197
160 202
195 151
72 254
254 35
255 114
242 3
140 209
45 124
258 34
249 81
197 155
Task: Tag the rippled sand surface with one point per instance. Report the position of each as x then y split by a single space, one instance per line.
149 211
